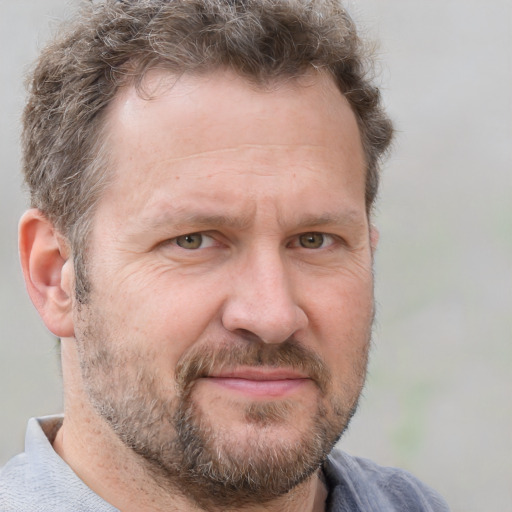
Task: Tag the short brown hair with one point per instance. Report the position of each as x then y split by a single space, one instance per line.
114 43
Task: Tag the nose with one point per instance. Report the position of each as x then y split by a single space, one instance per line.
262 300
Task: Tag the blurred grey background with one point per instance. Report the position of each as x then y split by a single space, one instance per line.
439 395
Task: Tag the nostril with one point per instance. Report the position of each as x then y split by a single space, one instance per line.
248 335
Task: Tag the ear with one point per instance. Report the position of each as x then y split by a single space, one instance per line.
48 270
374 238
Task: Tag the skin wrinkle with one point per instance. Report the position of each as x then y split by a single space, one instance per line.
114 61
199 100
255 291
180 222
159 269
191 367
126 101
194 222
163 164
220 151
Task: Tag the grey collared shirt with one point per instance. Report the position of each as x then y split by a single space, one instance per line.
38 480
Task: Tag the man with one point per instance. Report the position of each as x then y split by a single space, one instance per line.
202 174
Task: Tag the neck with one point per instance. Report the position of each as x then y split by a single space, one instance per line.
119 476
125 485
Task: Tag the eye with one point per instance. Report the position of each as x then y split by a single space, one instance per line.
314 240
193 241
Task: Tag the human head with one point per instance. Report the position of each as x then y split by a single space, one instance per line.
114 43
233 242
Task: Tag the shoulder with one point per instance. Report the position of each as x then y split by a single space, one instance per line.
14 484
38 480
26 478
358 484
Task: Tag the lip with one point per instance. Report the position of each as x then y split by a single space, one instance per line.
260 382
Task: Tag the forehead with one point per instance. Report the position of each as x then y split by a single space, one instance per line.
222 99
218 132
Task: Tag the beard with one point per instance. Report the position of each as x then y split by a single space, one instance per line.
182 445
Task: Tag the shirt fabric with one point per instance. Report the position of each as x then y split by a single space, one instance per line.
38 480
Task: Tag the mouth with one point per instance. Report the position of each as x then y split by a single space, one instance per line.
260 381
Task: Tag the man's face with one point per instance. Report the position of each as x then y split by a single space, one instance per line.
227 331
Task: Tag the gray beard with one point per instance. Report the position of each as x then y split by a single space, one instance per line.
184 452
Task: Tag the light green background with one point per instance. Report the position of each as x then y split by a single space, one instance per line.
439 394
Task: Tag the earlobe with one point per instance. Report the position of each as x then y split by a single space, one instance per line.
48 271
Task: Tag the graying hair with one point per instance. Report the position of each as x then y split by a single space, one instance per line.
111 44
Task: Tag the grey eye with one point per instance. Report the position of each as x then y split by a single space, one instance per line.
311 240
192 241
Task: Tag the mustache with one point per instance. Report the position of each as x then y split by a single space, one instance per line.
202 361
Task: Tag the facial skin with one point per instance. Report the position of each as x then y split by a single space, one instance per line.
230 262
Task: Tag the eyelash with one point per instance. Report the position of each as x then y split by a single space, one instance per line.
312 235
189 235
298 241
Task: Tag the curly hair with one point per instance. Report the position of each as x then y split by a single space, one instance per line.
114 43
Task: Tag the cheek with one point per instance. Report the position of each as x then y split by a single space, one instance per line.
341 319
342 303
163 311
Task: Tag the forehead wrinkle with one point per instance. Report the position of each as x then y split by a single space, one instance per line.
214 152
182 217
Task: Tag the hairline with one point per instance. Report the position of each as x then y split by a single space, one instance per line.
104 157
102 168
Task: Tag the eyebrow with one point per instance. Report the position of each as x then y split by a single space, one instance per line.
328 219
198 221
